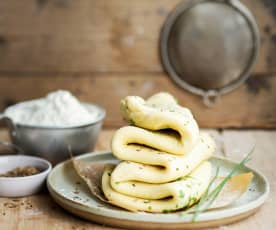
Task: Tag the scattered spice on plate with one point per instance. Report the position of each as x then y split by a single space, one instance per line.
21 172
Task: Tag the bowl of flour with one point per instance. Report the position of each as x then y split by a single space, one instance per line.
51 125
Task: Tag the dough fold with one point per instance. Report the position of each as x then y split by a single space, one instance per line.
153 165
139 196
161 113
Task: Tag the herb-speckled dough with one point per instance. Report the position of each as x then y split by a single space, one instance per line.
164 157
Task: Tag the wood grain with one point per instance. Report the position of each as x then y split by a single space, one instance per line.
101 35
40 211
252 105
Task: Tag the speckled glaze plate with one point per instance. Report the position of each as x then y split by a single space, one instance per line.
68 190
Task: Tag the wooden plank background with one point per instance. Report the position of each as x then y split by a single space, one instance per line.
252 105
103 50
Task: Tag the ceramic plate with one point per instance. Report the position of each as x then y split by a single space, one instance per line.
68 190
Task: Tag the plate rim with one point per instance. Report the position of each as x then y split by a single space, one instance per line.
152 217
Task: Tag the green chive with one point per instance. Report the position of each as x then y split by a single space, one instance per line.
208 197
165 211
181 194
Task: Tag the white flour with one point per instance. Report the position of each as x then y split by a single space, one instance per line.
57 109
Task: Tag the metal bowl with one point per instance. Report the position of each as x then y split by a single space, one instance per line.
53 143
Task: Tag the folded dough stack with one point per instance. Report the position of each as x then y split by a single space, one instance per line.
164 163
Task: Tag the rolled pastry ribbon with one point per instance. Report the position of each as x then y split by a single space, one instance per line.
165 120
144 160
139 196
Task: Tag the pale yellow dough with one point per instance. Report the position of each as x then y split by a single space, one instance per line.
161 112
163 157
137 157
139 196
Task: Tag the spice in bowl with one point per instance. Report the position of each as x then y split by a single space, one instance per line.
21 172
22 175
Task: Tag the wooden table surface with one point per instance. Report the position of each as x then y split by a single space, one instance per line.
41 212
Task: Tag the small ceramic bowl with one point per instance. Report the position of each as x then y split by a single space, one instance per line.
22 186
